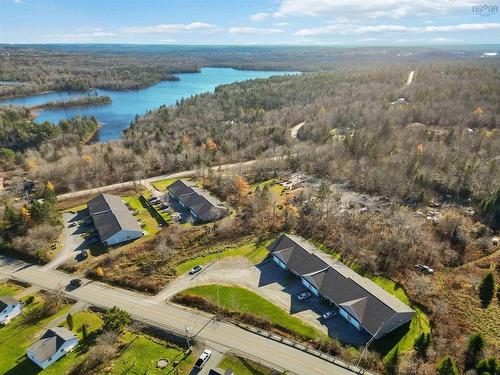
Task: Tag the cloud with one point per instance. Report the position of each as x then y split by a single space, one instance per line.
371 9
344 29
254 30
283 24
167 41
18 1
170 28
443 40
261 16
79 37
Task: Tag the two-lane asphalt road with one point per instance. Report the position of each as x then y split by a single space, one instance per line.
174 318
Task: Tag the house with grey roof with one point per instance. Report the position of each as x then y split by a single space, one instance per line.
113 220
360 301
54 344
9 308
202 206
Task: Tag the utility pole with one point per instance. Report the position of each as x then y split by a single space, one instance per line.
368 344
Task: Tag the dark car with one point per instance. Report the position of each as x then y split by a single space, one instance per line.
92 240
72 224
83 255
75 283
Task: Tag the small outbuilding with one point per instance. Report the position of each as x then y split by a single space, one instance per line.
54 344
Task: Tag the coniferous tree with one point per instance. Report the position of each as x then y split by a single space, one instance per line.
487 289
447 367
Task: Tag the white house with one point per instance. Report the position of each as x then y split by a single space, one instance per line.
9 308
54 344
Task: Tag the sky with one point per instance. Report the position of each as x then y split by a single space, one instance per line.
251 22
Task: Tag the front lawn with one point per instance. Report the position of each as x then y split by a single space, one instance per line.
143 352
162 185
241 366
9 288
149 219
16 338
254 252
243 300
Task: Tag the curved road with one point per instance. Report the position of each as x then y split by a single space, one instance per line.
174 318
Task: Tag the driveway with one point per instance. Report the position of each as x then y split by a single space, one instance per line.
271 282
73 242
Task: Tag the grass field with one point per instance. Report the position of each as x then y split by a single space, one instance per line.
9 288
253 252
162 185
17 337
242 366
400 337
243 300
142 354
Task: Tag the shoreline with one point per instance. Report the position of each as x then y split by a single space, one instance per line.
141 87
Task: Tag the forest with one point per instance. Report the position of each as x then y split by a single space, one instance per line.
442 141
38 68
18 131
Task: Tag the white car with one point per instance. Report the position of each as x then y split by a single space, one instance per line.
303 296
204 357
328 315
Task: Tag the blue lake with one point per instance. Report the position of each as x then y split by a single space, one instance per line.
118 115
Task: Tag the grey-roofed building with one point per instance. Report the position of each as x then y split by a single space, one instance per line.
360 301
113 220
219 371
202 205
55 343
9 308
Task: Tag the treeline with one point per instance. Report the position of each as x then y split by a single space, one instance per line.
30 230
78 102
74 67
18 131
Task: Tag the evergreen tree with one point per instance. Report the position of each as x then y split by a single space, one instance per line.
116 319
447 367
487 289
474 351
421 344
69 321
392 362
85 333
488 366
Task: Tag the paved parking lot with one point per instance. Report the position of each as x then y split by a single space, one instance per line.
274 284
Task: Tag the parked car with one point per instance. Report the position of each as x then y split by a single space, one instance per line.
303 296
83 255
92 240
165 206
328 315
75 283
72 224
424 268
153 200
195 269
204 357
166 209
